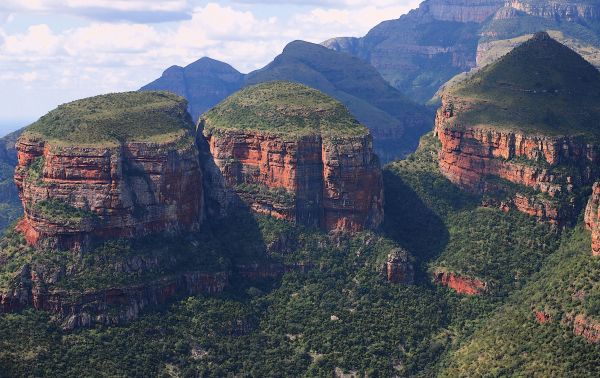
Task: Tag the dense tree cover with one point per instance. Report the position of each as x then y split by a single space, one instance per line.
511 341
342 314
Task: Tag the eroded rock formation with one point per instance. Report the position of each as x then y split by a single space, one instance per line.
97 307
328 181
397 268
334 184
459 283
74 193
592 218
476 157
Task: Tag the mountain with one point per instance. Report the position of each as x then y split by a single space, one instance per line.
425 48
395 122
524 129
204 83
257 243
295 153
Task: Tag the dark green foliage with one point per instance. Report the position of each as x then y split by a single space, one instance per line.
61 212
10 205
443 225
512 341
282 108
342 313
115 118
264 193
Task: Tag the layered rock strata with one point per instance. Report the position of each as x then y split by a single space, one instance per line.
476 157
525 143
313 181
73 193
109 307
317 179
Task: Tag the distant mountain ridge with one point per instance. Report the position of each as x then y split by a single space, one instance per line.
204 83
396 122
425 48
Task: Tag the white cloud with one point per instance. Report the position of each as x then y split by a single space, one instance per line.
106 10
38 40
41 66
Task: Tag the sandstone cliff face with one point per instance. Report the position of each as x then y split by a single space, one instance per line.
335 184
460 284
73 194
398 269
592 218
472 156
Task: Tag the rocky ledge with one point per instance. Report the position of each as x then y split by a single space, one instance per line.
296 154
130 168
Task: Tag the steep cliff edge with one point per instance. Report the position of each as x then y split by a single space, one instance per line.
294 153
592 218
120 165
522 130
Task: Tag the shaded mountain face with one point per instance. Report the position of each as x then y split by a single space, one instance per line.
395 121
428 46
203 83
10 205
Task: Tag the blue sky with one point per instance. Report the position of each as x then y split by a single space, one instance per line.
55 51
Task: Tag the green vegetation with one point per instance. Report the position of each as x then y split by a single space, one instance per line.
539 87
501 249
512 342
114 119
262 193
282 108
341 313
10 205
61 212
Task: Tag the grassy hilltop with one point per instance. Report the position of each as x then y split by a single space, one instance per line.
115 118
283 108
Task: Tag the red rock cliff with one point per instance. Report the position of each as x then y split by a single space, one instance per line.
474 157
333 183
128 190
592 218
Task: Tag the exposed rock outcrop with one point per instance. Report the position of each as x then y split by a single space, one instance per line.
592 218
584 326
460 10
397 268
459 283
73 192
109 307
571 11
310 177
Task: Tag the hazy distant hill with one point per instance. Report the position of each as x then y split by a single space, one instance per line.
203 83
